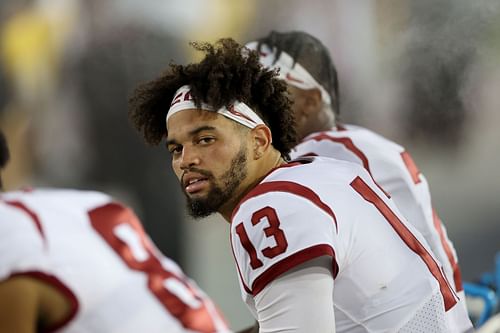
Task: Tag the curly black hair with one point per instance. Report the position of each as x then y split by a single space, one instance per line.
228 72
311 54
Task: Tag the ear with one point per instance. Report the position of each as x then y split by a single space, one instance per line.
312 101
262 140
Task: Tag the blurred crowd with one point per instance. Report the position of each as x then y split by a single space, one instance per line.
423 73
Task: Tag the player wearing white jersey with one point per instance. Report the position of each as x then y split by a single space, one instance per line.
305 65
271 232
77 261
318 246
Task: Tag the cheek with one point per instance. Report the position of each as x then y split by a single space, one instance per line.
298 107
298 114
219 161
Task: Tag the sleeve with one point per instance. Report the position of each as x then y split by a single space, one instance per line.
22 245
299 301
278 230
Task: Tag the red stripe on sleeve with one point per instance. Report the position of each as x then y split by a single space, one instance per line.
34 217
292 261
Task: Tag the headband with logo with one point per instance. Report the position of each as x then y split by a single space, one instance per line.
293 74
238 111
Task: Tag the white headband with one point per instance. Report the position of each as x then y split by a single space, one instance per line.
238 111
295 75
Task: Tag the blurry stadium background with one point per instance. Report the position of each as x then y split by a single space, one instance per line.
425 73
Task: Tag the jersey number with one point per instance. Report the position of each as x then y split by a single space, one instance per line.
121 229
410 240
272 230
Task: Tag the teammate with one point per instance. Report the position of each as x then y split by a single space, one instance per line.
318 245
305 64
78 261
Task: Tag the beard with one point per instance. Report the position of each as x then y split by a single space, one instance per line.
219 195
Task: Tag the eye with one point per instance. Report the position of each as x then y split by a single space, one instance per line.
175 149
206 140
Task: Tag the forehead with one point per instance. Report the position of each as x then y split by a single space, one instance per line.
186 122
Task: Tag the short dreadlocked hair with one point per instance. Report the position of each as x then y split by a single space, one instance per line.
228 72
4 151
311 54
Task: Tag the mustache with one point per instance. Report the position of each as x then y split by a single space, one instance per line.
202 172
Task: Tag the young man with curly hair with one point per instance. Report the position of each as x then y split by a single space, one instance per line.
319 247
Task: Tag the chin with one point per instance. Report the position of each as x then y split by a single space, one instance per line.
199 209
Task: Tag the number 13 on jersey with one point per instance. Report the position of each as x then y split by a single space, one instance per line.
271 230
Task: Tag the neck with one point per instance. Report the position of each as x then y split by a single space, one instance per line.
322 120
259 171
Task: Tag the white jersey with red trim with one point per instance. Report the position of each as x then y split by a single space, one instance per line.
385 276
96 252
393 169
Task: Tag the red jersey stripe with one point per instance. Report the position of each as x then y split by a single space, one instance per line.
292 261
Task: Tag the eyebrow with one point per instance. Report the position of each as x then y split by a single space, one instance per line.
192 133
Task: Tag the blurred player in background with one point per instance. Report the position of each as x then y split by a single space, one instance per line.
78 261
318 245
305 64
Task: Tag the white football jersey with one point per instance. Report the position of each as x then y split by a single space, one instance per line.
385 276
394 171
95 251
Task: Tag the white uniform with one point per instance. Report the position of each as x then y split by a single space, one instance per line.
96 252
393 169
385 276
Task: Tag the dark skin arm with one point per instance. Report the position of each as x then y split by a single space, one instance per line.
19 304
27 304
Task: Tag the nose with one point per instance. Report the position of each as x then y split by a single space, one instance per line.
189 158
